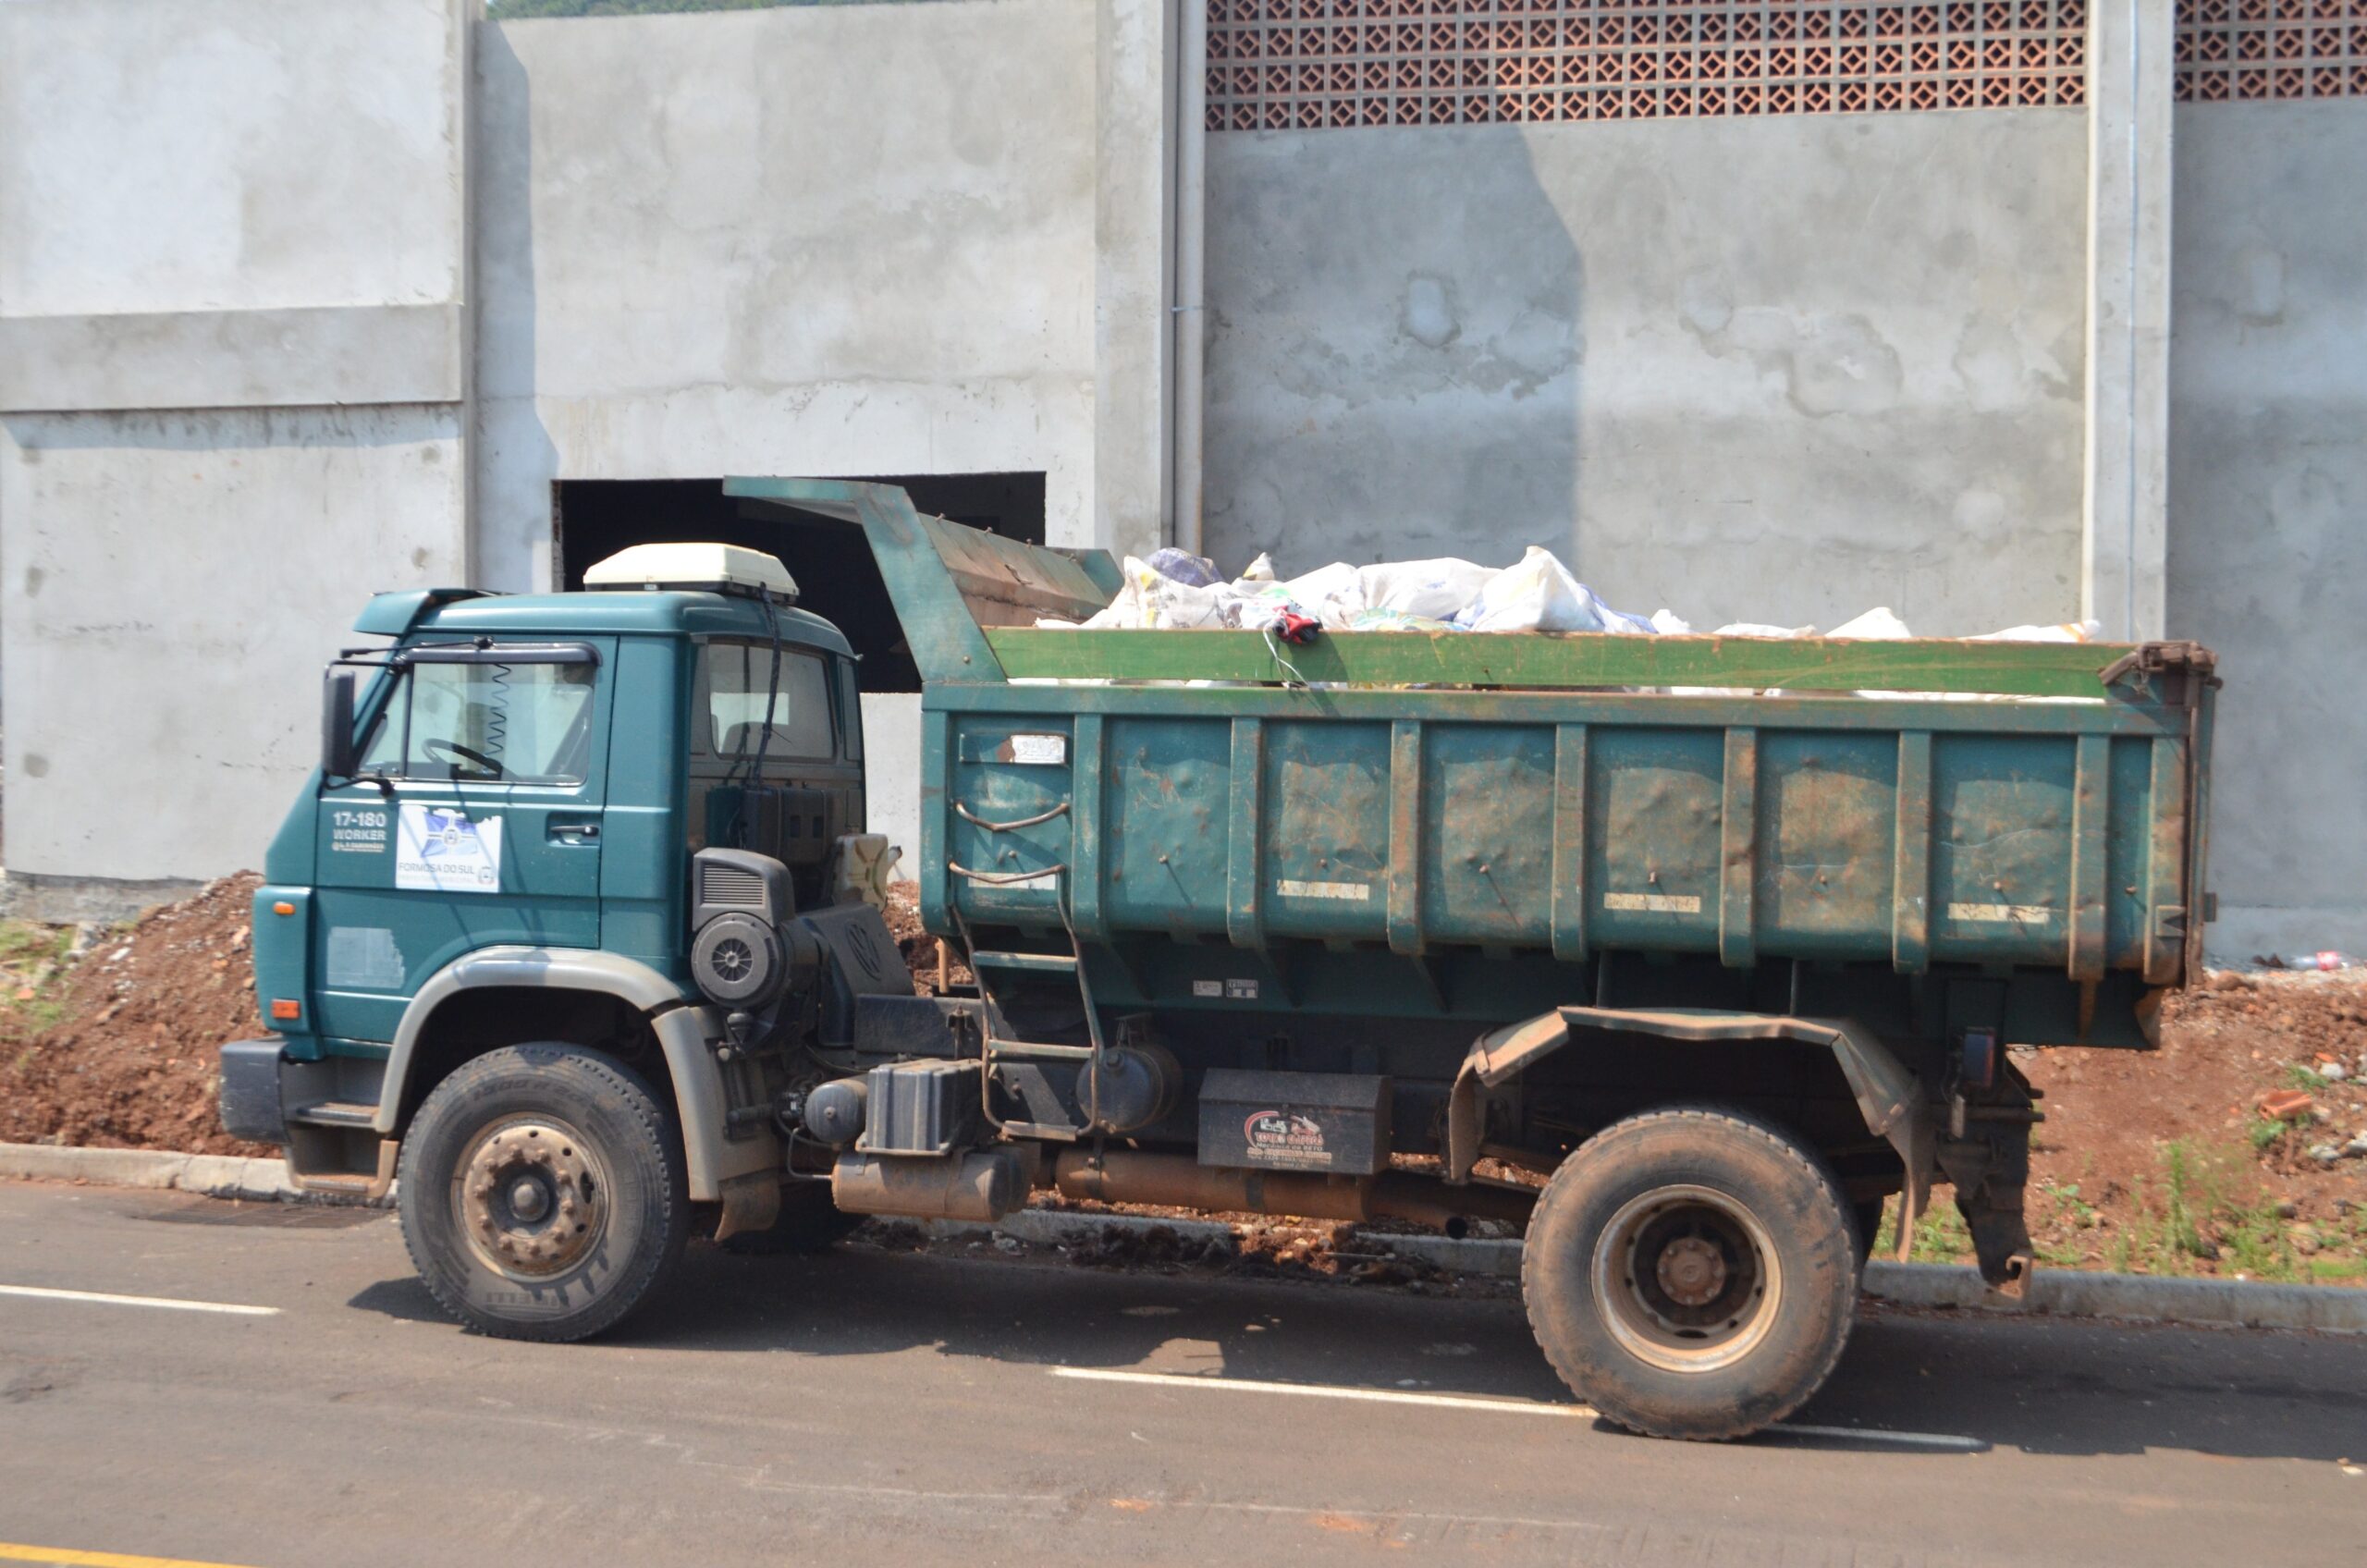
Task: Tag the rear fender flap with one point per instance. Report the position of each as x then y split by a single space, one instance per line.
1888 1096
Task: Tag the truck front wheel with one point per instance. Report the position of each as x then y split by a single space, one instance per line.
542 1193
1692 1273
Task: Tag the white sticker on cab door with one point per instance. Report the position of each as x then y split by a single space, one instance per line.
444 850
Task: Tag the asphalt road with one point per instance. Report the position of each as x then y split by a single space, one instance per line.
869 1406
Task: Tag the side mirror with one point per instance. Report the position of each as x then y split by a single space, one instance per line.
339 755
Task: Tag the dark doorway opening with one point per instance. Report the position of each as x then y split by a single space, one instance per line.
593 519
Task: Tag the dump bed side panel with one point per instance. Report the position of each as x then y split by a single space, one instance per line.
1580 829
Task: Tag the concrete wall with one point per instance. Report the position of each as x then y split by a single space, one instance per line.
847 239
1775 370
233 372
2268 505
169 595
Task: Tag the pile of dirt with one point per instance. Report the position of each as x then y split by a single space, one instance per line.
2166 1160
935 968
132 1058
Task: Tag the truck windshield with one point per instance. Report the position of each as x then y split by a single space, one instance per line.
518 724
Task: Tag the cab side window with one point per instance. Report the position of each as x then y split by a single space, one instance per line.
737 678
486 723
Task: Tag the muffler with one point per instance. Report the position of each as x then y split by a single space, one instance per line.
980 1184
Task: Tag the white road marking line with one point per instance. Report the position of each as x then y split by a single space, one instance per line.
105 1299
1326 1390
1947 1441
1505 1406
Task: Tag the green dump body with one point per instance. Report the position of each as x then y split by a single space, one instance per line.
1482 827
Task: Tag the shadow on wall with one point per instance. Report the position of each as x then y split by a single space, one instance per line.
1395 350
515 461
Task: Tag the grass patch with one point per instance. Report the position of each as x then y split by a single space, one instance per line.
32 957
27 945
2307 1078
1940 1233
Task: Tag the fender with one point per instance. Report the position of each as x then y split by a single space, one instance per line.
1888 1096
683 1033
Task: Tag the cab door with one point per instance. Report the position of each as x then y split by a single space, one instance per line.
475 822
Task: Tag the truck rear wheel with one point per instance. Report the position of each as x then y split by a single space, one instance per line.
1692 1273
542 1193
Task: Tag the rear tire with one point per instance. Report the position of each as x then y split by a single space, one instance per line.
808 1222
542 1193
1692 1273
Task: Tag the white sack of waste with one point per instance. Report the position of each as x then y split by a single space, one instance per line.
1538 593
1876 624
2068 631
1333 594
1148 599
1431 590
1760 629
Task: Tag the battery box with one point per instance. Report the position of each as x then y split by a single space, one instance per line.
920 1108
1334 1122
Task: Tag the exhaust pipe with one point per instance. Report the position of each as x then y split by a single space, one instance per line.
1180 1181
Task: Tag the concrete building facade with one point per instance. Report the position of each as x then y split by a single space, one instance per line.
1989 312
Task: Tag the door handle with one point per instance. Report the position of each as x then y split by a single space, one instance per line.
562 831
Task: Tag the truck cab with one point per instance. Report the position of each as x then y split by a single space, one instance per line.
497 849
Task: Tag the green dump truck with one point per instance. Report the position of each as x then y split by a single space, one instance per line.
572 938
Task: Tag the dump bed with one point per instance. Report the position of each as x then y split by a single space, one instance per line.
1454 823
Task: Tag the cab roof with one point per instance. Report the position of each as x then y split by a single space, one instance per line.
665 612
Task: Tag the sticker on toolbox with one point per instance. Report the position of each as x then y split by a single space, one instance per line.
1285 1137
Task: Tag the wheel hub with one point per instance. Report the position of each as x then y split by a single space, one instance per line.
531 1200
1691 1271
1686 1279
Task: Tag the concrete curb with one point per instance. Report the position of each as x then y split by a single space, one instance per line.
2060 1292
214 1175
2074 1292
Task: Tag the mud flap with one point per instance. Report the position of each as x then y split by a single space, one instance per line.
1986 1156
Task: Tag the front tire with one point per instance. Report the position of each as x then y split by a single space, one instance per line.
1692 1273
543 1193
